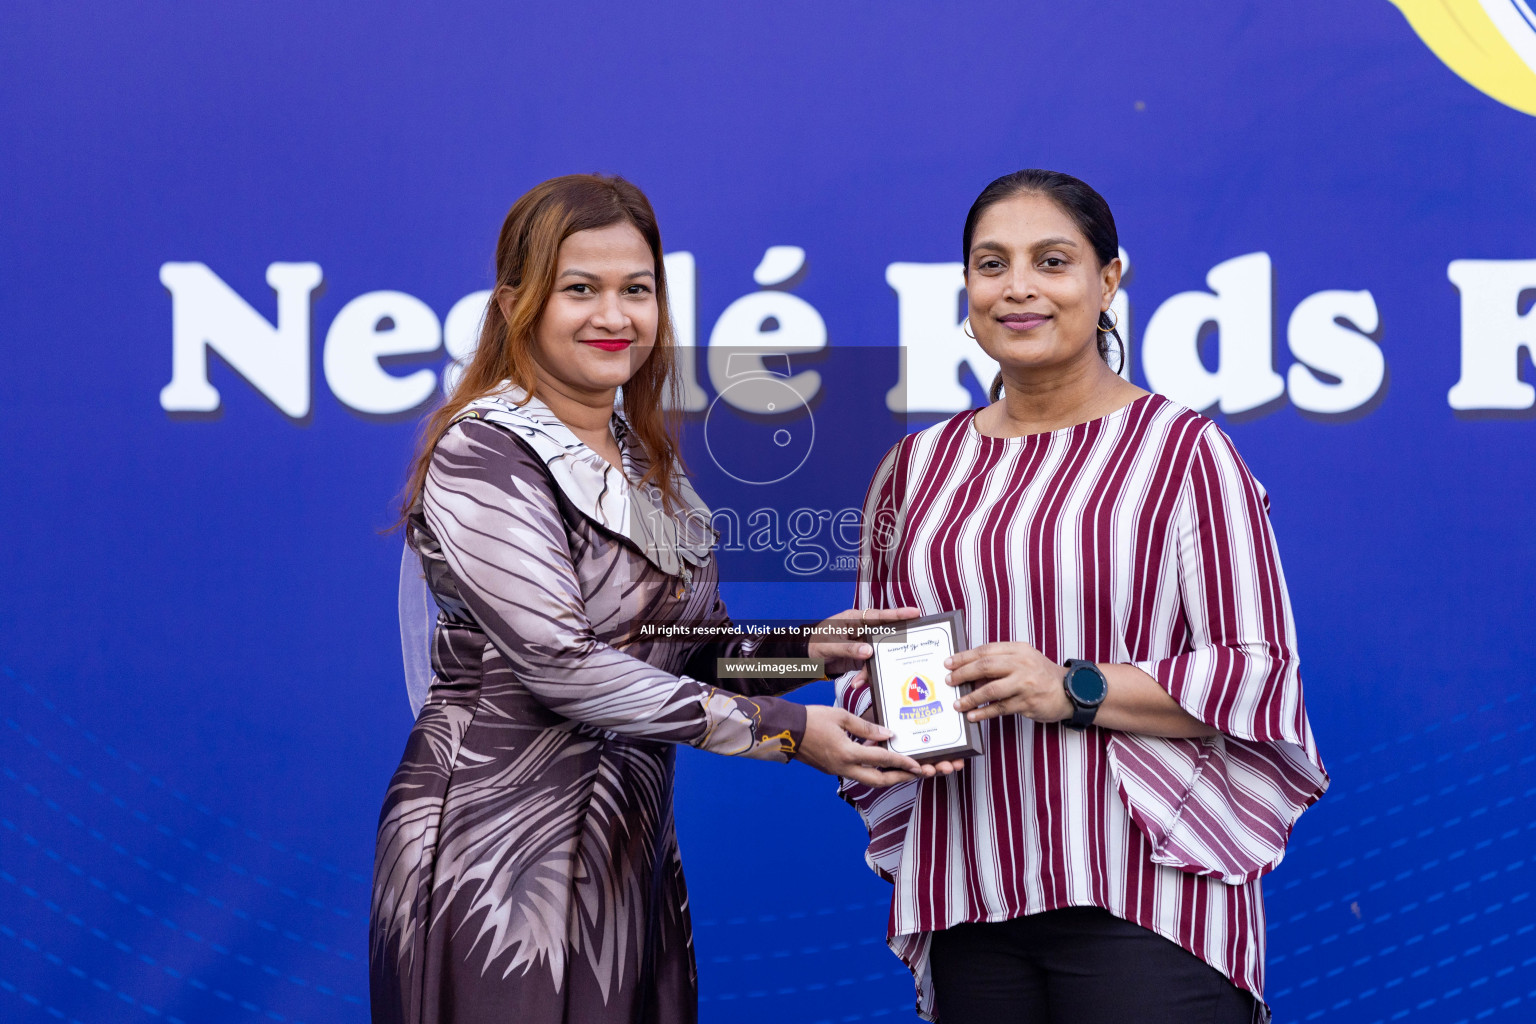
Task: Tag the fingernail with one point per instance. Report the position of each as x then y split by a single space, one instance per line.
948 662
866 651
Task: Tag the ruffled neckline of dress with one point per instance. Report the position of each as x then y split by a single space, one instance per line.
612 499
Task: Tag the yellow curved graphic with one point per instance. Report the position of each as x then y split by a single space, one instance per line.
1489 43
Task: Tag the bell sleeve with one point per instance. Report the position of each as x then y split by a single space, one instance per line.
1224 806
491 506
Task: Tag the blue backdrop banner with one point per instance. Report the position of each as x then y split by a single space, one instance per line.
244 247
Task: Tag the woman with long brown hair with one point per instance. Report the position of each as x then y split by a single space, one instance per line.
527 869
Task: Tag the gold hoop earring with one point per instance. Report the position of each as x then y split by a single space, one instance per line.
1114 321
965 328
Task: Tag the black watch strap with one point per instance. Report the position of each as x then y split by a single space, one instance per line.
1083 711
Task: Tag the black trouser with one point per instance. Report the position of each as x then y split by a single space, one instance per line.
1077 965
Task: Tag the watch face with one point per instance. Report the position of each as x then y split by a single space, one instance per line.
1087 685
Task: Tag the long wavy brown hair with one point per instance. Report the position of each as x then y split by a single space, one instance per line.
527 255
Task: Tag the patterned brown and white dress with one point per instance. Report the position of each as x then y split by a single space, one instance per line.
527 869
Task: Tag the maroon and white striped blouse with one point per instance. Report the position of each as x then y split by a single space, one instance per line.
1138 538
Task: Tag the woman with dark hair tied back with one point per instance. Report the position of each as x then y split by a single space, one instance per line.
1146 749
527 869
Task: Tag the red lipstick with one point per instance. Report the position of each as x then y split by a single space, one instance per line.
609 344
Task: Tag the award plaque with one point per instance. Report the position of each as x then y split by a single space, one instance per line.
906 674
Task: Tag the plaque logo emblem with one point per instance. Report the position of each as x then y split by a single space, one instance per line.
918 691
918 703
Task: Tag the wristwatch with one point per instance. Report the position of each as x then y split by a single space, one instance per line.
1086 688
